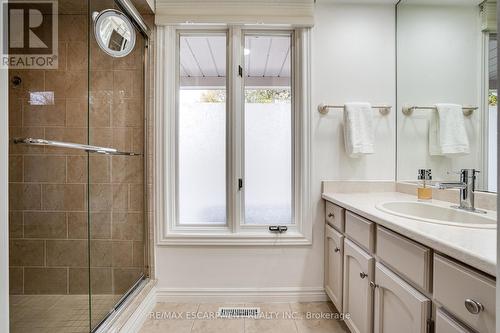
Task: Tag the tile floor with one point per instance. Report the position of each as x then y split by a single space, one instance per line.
281 318
57 313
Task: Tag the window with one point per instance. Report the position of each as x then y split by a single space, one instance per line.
268 129
236 143
201 129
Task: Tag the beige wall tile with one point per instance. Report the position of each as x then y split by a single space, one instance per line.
26 252
136 197
68 197
44 169
77 167
100 168
124 278
73 7
123 83
45 280
77 56
68 253
56 82
101 253
128 226
101 197
76 112
127 169
122 254
15 111
100 111
120 197
76 84
138 250
98 59
101 82
15 224
122 138
16 280
24 196
45 115
100 225
100 279
15 168
45 225
72 28
126 112
31 81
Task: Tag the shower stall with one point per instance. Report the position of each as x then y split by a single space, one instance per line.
78 171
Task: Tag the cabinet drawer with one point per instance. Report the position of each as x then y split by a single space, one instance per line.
334 255
410 259
335 216
455 283
360 230
446 324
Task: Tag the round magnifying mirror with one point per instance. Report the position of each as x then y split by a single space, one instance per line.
114 33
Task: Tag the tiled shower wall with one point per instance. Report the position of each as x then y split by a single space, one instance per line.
49 248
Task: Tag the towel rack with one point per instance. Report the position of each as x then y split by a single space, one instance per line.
408 110
323 108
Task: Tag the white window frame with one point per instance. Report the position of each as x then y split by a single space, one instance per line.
165 125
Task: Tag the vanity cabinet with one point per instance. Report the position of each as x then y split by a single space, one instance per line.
467 294
446 324
398 306
358 294
388 283
334 259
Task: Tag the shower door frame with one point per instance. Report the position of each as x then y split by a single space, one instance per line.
131 12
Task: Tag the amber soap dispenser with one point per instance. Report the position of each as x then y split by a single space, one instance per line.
424 191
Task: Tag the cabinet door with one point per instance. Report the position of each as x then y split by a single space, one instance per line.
334 249
446 324
398 306
358 295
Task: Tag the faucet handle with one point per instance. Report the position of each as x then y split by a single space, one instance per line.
469 173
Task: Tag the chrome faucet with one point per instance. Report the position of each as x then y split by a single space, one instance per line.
467 186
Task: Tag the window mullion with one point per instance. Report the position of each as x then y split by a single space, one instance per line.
235 197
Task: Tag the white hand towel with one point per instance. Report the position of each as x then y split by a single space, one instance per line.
359 133
447 134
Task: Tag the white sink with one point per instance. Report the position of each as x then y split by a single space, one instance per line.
431 213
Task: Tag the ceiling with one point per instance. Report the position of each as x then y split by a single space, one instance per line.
203 60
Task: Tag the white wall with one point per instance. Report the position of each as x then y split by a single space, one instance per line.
353 58
439 49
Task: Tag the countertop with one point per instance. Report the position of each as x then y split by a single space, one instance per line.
475 247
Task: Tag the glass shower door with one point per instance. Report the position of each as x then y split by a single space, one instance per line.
116 182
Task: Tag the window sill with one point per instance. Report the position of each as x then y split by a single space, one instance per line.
239 239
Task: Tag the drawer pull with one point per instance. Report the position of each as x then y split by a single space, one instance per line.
473 307
336 249
331 215
363 275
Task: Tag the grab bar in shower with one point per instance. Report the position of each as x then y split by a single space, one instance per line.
71 145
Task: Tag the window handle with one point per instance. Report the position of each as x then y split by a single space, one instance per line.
240 184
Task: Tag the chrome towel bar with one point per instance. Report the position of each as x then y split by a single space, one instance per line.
71 145
323 108
408 110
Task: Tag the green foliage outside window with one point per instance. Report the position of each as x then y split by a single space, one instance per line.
493 98
263 96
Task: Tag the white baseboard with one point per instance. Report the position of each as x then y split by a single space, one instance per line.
240 295
139 316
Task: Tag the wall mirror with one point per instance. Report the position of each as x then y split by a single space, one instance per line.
114 33
447 61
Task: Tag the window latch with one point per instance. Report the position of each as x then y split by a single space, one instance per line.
240 71
278 228
240 184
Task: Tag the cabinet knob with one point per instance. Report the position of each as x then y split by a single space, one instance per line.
373 285
473 307
331 215
363 275
336 249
